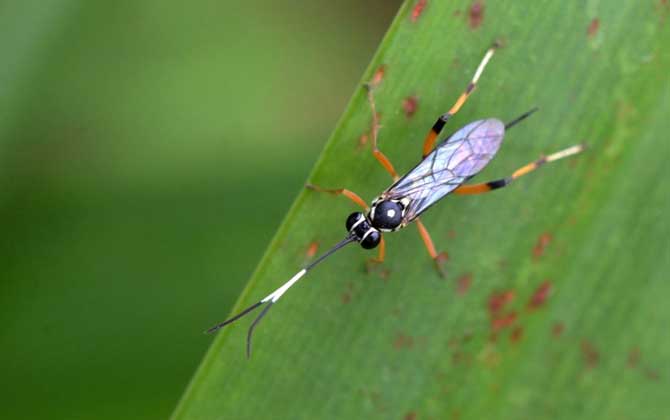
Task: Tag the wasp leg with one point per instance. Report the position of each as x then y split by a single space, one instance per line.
381 157
499 183
438 258
340 191
429 142
372 262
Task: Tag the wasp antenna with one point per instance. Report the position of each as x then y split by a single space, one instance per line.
520 118
274 296
253 325
233 319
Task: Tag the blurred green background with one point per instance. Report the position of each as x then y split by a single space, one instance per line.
148 151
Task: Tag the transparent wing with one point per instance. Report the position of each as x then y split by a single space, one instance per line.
453 162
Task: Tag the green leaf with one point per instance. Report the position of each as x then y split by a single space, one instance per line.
555 301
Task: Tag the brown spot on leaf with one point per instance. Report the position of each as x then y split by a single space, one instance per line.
590 354
463 283
592 30
540 246
409 105
346 296
540 295
652 374
476 14
460 357
373 266
557 329
403 341
363 140
517 334
377 401
410 416
663 9
633 357
418 10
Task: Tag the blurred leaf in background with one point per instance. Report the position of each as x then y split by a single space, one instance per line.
148 150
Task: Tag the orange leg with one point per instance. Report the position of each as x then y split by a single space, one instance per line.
438 258
379 259
340 191
499 183
381 157
429 142
358 200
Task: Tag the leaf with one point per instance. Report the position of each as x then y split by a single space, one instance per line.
555 301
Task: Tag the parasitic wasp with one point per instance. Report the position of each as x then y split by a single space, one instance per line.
444 169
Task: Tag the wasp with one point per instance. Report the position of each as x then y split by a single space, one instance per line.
444 169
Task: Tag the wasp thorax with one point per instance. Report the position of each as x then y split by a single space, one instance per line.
386 215
359 226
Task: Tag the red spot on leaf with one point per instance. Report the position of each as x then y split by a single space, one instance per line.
476 14
503 321
409 105
378 77
418 9
312 249
542 242
540 295
590 354
463 283
633 357
557 329
497 301
593 28
517 334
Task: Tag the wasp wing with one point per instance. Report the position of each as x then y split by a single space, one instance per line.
452 162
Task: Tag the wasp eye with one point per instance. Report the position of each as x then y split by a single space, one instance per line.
353 219
386 215
372 239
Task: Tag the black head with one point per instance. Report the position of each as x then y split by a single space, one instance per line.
386 215
359 226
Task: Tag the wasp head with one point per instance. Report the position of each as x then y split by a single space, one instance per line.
359 226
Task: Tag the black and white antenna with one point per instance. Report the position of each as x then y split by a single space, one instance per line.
274 296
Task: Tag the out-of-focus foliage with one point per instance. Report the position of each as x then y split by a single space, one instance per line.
148 150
